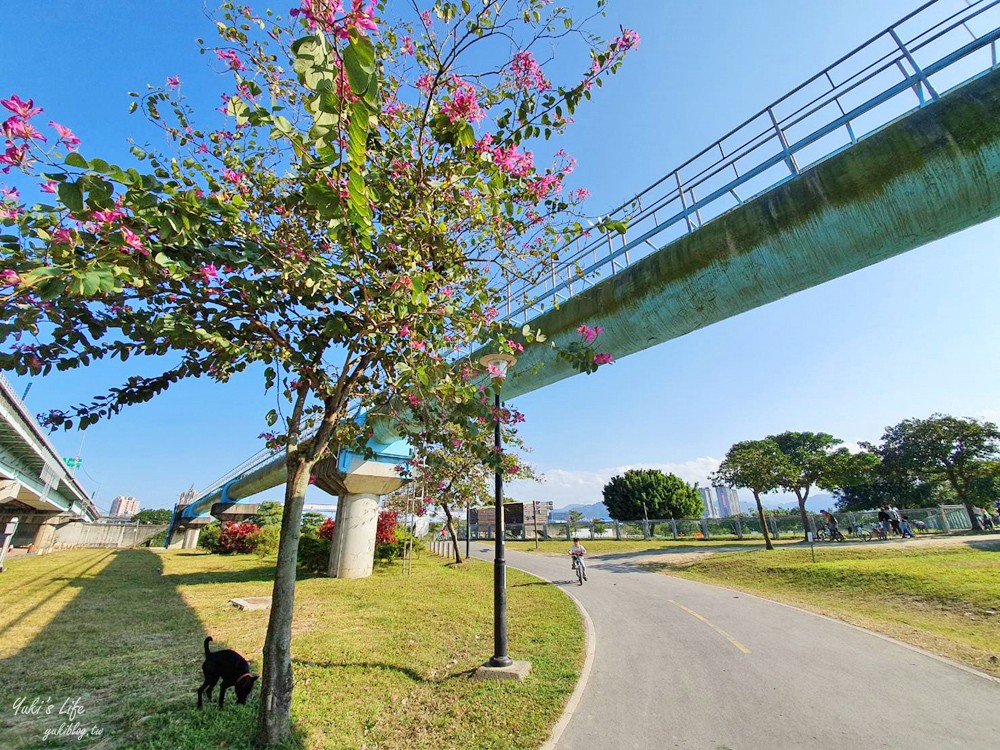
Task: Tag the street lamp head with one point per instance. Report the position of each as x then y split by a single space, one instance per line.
498 364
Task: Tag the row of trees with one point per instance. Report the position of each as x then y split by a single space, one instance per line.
917 462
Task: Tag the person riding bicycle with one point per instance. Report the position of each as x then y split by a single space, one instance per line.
576 552
831 524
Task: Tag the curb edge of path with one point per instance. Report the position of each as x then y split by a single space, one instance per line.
590 634
883 636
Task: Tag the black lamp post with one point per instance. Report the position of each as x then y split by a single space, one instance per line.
498 365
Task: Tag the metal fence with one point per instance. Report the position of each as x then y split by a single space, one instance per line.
939 520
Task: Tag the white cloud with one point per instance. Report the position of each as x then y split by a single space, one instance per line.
568 487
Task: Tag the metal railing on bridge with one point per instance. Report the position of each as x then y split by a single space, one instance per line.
937 47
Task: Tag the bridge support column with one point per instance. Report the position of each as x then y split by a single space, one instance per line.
352 554
190 540
45 537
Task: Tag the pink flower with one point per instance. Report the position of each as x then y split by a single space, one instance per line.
133 241
413 399
208 272
463 105
232 176
16 128
603 358
106 217
14 156
526 73
20 108
9 277
589 334
174 81
65 135
494 370
63 236
362 19
230 58
9 194
405 331
406 46
48 187
425 17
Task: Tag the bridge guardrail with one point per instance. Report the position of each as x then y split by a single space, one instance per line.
937 47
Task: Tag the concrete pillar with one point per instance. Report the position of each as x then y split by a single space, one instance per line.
190 540
45 537
353 551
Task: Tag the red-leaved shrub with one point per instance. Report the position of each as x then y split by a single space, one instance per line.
235 538
326 529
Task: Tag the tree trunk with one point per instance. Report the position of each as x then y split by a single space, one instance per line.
763 521
802 513
274 720
451 532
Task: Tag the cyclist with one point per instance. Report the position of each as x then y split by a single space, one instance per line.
576 552
831 525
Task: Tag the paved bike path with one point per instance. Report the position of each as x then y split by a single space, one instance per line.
680 664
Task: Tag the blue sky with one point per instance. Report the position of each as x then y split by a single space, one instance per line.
909 337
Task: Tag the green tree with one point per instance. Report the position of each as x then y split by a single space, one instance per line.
311 521
758 465
268 513
597 527
574 517
153 516
808 459
944 449
862 481
650 493
344 234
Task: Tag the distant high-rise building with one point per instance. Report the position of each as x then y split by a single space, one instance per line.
708 500
124 506
187 497
728 500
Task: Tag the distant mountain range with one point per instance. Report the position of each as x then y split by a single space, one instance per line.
595 510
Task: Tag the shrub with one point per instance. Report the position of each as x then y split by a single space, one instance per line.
314 555
209 537
311 521
264 541
236 538
268 514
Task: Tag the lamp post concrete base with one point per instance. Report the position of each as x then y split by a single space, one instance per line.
517 670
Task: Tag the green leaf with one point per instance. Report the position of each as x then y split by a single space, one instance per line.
74 159
359 61
271 418
71 196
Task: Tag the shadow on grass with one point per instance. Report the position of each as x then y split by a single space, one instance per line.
414 675
128 649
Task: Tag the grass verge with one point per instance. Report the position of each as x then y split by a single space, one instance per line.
382 662
943 599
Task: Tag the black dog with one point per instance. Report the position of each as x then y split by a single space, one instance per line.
232 669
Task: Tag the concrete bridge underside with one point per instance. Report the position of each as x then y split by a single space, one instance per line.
930 173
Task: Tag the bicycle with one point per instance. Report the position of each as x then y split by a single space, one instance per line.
578 566
860 532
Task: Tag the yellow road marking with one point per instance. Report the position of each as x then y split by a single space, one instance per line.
717 629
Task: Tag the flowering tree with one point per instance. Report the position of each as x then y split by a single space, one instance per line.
351 228
456 459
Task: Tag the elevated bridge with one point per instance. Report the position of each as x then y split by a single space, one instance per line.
35 484
893 146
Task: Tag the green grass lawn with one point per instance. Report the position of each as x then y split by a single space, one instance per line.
943 599
612 546
382 662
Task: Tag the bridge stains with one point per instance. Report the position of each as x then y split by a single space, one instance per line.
926 175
